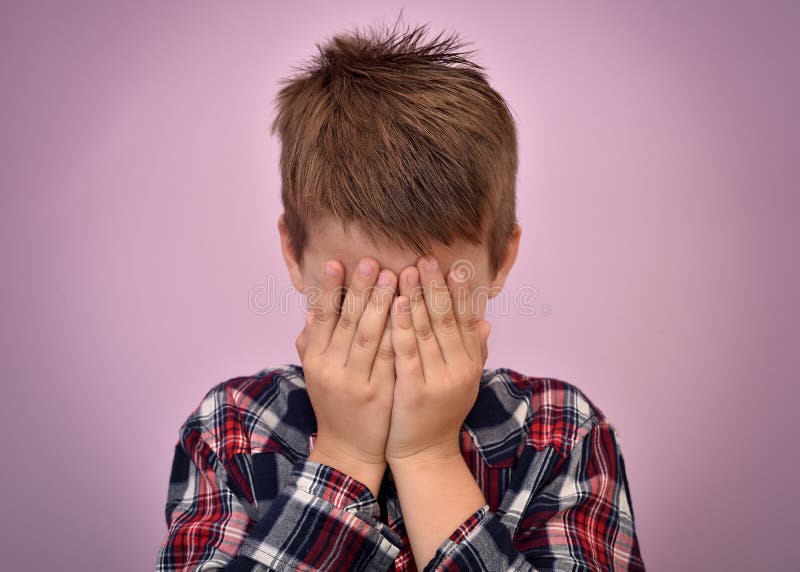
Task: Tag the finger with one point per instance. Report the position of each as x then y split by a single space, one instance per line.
383 367
404 341
355 300
372 323
440 309
430 354
464 307
324 304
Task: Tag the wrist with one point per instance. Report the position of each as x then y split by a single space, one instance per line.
444 453
367 473
426 463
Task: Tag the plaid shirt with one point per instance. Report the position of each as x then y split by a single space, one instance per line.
243 496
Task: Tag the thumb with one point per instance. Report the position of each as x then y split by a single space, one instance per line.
300 342
484 329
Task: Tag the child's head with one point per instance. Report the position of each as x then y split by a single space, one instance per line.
394 147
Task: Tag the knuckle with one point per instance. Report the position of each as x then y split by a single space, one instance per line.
347 322
448 321
370 393
423 332
363 339
321 317
471 323
410 352
385 353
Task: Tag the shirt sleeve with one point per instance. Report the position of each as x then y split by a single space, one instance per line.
580 519
322 519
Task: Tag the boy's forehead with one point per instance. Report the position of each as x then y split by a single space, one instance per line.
328 240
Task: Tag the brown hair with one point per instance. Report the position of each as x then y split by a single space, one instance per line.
405 137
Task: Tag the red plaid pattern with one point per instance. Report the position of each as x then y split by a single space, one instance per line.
242 494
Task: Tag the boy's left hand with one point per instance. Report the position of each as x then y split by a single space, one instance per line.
440 348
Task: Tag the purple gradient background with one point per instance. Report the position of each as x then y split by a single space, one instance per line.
658 199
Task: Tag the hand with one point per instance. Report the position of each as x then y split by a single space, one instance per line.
440 352
349 370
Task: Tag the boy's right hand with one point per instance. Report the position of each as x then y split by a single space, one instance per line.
348 364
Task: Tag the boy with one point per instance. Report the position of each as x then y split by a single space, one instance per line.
391 447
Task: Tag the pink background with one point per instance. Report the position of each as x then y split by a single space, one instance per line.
657 194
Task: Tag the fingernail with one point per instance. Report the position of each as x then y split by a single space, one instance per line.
330 269
365 267
402 305
383 278
412 278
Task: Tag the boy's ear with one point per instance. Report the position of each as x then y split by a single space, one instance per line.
509 258
295 271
